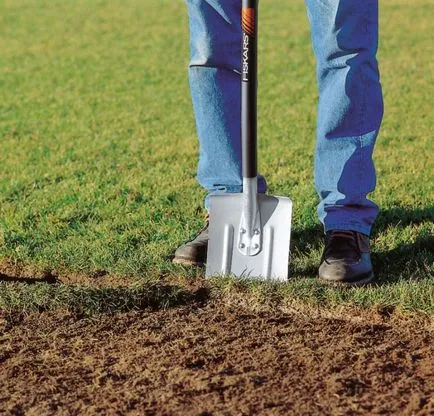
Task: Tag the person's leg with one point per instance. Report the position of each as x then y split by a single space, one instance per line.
215 84
345 38
214 75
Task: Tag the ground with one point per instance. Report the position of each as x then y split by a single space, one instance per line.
98 187
208 358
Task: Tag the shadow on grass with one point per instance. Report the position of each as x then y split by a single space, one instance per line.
154 296
87 301
28 280
406 262
402 217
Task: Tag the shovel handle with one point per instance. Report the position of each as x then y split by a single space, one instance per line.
249 77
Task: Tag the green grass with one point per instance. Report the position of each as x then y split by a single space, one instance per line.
99 151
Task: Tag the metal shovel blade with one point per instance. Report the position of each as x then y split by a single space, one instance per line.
224 254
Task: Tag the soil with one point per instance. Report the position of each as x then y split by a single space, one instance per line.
215 359
19 273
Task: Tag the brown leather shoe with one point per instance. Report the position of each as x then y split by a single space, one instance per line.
346 259
193 252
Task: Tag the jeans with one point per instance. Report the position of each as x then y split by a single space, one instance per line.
345 39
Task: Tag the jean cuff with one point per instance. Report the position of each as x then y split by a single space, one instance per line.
360 228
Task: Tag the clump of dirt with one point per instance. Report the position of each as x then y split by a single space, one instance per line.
214 359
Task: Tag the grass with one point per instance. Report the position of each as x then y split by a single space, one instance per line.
99 151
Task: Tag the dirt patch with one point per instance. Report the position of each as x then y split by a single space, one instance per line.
214 360
20 273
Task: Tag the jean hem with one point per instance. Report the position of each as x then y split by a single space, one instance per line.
366 230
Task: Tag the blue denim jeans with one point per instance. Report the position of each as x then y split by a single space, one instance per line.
344 38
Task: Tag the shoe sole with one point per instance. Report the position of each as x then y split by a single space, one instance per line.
361 282
187 262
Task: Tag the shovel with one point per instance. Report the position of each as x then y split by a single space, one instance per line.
249 233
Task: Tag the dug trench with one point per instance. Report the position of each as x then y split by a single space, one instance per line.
213 358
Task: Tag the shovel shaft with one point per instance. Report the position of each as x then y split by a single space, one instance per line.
249 76
249 233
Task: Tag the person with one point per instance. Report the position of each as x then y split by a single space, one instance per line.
345 40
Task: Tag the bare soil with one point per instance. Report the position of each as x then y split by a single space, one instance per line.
215 359
20 273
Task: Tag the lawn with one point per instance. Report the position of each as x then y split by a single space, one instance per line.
99 154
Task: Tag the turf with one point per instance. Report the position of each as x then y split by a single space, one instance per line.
99 152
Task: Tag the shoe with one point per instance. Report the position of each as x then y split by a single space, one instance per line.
346 259
193 252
